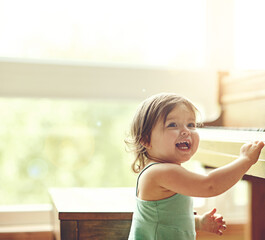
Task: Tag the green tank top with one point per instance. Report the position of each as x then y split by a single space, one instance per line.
166 219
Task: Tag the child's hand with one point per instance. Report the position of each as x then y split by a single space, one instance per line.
211 222
251 151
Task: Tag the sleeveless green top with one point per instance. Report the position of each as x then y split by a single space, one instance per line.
166 219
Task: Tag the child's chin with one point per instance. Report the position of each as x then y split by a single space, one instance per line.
185 159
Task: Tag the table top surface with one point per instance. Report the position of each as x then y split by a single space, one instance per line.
90 202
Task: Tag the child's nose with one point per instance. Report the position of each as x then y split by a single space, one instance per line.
185 132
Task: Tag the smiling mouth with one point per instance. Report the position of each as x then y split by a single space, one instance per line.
183 145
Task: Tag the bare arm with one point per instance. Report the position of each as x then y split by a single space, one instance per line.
179 180
225 177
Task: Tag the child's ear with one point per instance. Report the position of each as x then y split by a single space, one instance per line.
145 143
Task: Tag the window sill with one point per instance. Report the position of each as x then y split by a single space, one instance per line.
23 215
26 228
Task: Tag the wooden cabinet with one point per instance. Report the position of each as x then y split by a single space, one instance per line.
92 213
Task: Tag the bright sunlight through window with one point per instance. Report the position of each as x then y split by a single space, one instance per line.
168 33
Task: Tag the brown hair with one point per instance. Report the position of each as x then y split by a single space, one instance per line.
149 112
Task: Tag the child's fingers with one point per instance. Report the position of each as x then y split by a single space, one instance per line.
222 227
211 213
221 222
220 219
260 144
219 232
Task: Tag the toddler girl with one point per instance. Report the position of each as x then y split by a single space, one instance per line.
163 136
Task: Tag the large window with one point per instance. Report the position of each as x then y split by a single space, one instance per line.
103 50
61 143
169 33
47 142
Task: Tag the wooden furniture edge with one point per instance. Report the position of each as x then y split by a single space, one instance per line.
95 216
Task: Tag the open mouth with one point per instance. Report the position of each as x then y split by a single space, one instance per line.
185 145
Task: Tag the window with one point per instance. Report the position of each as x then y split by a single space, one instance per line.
167 34
99 49
62 143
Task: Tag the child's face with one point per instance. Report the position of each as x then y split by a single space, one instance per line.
176 140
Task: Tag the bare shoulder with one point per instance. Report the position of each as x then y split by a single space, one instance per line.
150 187
158 171
164 168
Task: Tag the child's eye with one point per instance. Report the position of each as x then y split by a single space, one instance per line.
191 125
172 125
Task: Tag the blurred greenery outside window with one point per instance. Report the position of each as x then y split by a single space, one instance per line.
62 143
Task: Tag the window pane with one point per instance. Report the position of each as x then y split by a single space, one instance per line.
168 33
58 143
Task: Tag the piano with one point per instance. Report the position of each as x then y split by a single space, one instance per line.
242 119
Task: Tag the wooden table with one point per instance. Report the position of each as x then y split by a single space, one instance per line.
92 213
219 147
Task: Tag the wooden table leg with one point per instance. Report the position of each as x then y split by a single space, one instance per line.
256 218
69 230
